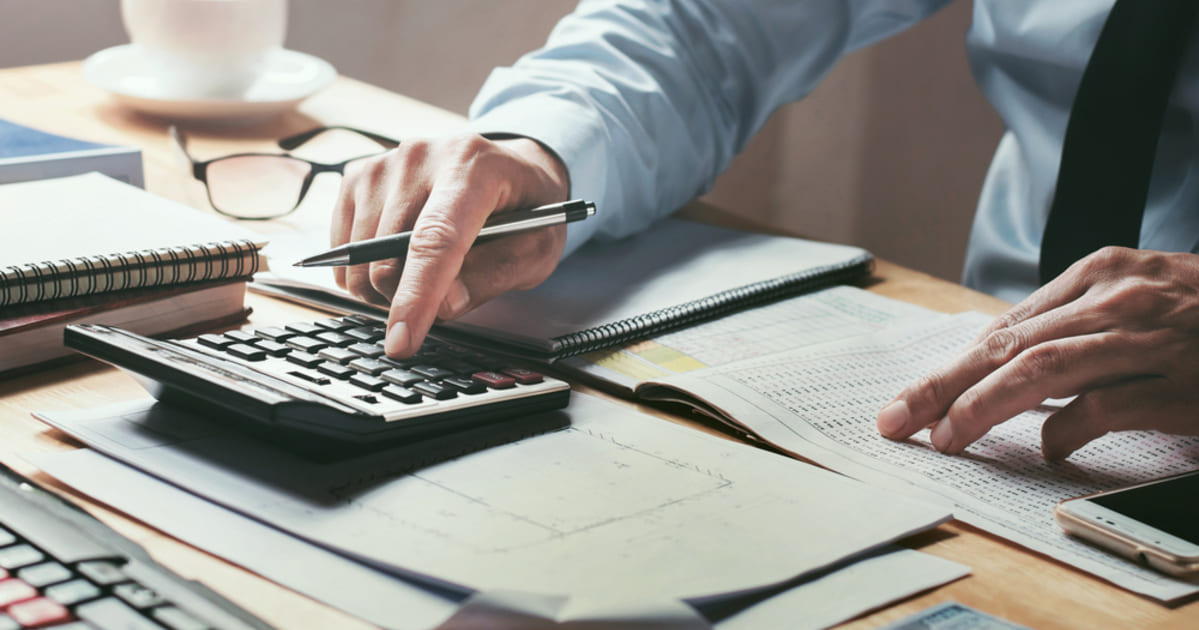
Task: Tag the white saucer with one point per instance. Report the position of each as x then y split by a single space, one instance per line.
133 80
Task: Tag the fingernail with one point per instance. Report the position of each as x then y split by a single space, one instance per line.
942 435
894 418
397 339
456 299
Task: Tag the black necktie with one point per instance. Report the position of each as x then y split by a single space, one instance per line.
1107 153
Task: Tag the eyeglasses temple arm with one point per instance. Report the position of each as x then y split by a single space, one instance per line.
292 142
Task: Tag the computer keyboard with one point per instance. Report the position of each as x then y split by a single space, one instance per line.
327 379
61 568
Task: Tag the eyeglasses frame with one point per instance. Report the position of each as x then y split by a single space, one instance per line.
199 168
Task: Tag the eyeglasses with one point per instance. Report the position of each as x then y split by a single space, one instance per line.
259 186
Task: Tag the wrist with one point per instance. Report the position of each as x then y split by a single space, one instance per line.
555 176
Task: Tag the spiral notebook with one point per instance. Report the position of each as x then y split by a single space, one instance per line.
675 274
90 234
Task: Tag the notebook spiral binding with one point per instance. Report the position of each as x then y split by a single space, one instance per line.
86 275
711 307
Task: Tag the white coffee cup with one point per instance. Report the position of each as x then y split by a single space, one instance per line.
206 48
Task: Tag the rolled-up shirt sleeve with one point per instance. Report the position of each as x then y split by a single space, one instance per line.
646 102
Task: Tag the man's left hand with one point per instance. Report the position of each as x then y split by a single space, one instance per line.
1119 329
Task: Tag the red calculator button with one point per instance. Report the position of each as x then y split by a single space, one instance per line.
494 380
523 376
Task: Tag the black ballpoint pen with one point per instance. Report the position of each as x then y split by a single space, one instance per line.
396 245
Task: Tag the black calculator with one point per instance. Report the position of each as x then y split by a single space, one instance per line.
327 379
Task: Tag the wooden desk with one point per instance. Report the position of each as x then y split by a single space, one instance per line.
1007 581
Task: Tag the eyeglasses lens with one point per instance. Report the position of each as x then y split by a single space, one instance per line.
256 186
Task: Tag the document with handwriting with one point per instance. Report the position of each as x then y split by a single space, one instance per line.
820 403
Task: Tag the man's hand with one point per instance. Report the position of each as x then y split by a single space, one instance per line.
443 190
1119 329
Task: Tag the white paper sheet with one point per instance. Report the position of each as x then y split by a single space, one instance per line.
619 503
390 602
821 403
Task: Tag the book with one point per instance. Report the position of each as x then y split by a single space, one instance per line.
675 274
27 153
31 334
90 234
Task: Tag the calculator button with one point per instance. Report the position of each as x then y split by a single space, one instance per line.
401 394
19 556
400 376
274 333
332 324
361 320
113 613
247 352
273 348
374 367
45 574
73 592
523 376
434 390
369 334
311 378
432 371
336 370
137 595
101 572
338 355
465 385
303 359
368 382
303 328
494 380
39 612
335 338
6 537
372 350
241 336
217 342
13 590
307 344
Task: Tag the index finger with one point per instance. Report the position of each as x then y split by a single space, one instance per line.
444 231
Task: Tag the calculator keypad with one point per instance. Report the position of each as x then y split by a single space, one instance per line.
344 358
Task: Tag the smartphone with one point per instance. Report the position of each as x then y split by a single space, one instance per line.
1155 523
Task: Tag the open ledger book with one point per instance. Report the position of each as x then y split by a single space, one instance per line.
675 274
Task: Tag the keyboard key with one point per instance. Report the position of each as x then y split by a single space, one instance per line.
241 336
113 613
44 574
436 391
523 376
246 351
177 619
39 612
18 556
137 595
465 385
374 367
494 380
8 623
13 590
301 358
336 370
101 572
402 394
73 592
332 323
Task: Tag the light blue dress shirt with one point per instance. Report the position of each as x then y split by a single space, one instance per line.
648 101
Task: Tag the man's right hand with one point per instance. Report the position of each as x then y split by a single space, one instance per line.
444 190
